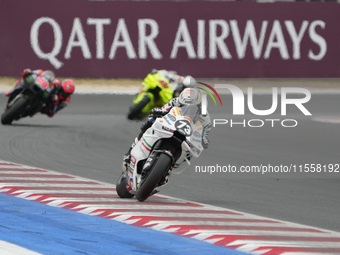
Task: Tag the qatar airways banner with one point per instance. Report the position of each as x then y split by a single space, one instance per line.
123 39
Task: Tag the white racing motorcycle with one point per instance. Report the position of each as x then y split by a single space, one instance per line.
175 138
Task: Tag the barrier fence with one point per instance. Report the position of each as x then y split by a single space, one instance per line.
126 39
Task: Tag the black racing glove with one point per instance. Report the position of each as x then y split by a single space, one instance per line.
157 113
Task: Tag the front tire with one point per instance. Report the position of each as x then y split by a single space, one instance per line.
135 112
153 177
13 112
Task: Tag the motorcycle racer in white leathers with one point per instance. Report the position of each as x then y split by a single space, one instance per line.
189 96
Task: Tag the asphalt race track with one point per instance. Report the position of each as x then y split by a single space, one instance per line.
89 138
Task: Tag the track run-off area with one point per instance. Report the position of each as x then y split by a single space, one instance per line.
73 160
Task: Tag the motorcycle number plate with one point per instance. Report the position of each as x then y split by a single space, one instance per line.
42 82
184 127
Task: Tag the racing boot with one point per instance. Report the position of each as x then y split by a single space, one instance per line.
127 156
126 162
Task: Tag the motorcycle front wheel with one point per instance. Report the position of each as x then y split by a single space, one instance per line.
13 111
153 177
135 111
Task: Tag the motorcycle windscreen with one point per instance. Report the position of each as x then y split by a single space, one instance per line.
190 111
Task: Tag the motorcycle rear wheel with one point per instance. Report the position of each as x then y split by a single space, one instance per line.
11 113
153 177
136 110
121 188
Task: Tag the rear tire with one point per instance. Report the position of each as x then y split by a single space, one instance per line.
13 112
135 111
153 177
121 188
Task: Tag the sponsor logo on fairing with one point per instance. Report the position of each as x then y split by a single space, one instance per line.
171 117
197 134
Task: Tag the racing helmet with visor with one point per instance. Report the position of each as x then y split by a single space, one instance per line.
67 88
190 96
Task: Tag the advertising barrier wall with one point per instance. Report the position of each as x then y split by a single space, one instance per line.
126 39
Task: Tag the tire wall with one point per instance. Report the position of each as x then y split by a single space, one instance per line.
126 39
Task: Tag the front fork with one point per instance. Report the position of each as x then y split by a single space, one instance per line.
12 97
